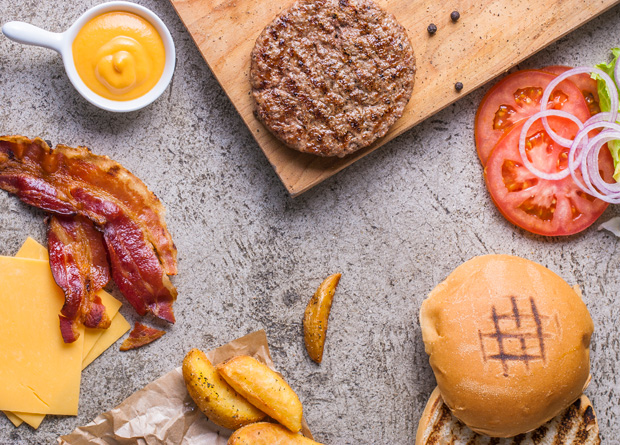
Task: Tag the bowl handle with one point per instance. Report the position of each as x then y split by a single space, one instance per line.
31 35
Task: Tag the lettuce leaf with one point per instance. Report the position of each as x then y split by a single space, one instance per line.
608 68
614 149
605 104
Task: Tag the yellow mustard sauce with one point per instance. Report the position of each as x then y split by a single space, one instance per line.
119 55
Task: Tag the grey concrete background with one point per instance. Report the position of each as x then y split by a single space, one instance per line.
395 224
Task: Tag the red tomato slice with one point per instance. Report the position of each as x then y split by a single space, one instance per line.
584 82
515 98
541 206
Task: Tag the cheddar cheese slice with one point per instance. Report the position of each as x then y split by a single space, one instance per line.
33 250
39 373
95 340
13 418
34 420
117 329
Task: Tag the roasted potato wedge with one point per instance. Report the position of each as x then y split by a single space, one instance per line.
317 315
263 388
264 433
214 397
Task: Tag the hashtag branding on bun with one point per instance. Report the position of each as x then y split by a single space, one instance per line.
508 341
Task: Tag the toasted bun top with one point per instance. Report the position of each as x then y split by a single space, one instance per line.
508 342
576 425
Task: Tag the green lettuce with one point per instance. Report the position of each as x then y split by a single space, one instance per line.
608 68
614 148
605 104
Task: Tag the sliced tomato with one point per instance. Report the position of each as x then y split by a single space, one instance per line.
515 98
584 82
538 205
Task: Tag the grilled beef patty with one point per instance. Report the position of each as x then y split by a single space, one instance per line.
331 76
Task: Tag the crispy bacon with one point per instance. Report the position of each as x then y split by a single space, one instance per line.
135 268
73 181
35 192
79 264
140 336
52 174
68 329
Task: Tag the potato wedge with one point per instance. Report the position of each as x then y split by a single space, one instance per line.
263 388
214 397
264 433
317 315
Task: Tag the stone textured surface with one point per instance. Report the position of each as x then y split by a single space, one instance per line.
395 224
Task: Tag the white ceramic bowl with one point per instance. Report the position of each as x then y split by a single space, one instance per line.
63 44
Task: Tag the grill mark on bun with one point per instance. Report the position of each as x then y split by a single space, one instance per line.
586 424
565 425
500 342
501 335
539 330
444 417
539 434
590 418
515 311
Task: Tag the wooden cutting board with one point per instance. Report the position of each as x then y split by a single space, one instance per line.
490 37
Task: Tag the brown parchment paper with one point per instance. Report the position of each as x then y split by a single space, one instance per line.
164 413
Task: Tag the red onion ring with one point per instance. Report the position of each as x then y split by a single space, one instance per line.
591 172
528 123
596 187
611 87
591 124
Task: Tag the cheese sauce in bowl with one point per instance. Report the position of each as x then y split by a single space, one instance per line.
118 55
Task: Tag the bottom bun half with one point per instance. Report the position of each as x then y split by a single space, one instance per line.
576 425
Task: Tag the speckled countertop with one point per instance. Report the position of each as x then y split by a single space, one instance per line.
395 224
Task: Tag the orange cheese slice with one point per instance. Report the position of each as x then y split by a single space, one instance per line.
95 340
13 418
39 373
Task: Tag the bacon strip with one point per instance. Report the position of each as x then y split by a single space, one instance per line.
79 264
140 336
135 268
65 167
73 181
35 192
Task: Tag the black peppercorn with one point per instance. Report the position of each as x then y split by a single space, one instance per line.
432 29
458 86
455 16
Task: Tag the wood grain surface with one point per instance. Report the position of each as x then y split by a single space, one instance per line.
491 37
